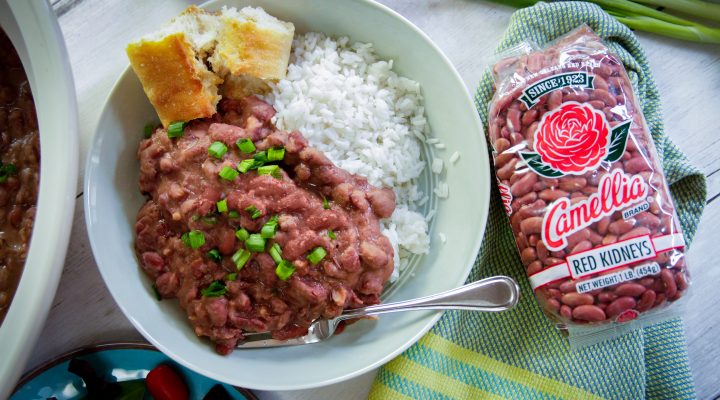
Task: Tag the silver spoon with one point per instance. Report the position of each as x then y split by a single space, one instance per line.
493 294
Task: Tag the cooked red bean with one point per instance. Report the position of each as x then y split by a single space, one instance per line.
19 148
351 273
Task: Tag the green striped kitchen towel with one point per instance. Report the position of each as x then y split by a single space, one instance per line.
519 354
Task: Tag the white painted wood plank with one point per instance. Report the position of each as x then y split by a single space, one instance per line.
467 31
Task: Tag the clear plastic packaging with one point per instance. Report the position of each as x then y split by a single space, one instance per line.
583 187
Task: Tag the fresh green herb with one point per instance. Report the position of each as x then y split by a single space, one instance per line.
268 230
217 149
276 153
148 130
316 255
6 170
276 253
331 234
228 173
176 129
284 270
253 211
240 258
245 145
214 255
210 219
650 19
242 234
158 296
272 170
255 243
261 157
246 165
222 206
231 276
216 289
326 203
233 214
185 239
193 239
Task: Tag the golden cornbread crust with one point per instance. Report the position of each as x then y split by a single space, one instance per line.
246 48
173 79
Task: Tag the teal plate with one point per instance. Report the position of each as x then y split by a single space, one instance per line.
117 362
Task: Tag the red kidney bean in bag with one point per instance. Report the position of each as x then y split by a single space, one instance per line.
583 187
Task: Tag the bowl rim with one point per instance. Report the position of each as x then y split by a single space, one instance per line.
483 203
56 189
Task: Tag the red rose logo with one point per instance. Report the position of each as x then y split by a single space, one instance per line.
573 138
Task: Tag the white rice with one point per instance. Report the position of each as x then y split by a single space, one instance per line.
437 165
367 119
454 157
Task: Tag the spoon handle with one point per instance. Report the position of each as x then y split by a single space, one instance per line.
496 293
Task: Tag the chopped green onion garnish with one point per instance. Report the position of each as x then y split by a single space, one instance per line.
268 230
148 130
316 255
284 270
214 255
158 296
6 170
254 212
331 234
245 145
185 239
233 214
217 149
176 129
216 289
222 206
276 154
246 165
228 173
272 170
242 234
231 276
255 243
193 239
210 219
326 203
240 258
261 156
276 253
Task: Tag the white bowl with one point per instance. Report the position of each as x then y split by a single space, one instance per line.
33 30
112 201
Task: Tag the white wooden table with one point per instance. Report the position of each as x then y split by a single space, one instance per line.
96 33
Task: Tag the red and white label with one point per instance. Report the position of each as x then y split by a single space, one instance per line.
616 191
609 257
506 197
618 255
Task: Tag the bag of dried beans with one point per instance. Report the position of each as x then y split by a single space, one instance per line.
583 187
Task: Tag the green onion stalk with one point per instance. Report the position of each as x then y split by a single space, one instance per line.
644 18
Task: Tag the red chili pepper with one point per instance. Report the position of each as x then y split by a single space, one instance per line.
164 383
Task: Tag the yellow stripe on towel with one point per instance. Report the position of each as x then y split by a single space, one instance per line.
521 376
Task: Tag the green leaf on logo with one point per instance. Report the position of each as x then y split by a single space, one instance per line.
533 161
618 141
